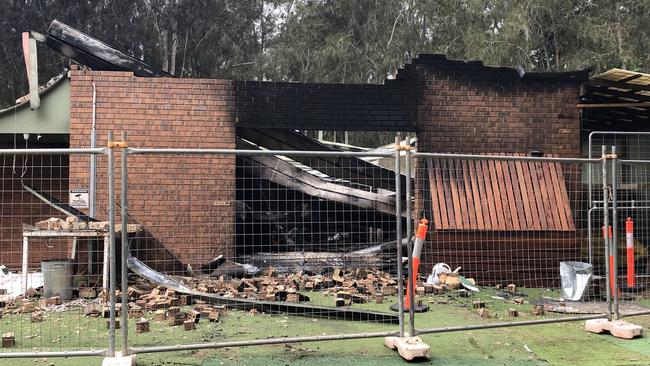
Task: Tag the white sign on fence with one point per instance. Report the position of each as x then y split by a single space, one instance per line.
79 198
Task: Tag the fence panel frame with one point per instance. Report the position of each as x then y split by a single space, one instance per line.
91 152
387 153
588 161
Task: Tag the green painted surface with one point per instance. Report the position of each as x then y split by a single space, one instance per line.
53 117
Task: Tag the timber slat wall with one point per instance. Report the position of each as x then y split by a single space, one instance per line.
498 196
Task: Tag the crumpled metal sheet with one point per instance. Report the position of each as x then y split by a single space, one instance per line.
575 277
147 272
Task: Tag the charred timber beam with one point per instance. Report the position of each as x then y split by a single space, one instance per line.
349 168
95 54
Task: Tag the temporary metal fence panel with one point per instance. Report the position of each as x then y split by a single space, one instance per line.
256 247
515 228
50 256
252 246
630 226
633 233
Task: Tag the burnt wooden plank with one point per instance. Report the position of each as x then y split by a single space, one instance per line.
97 55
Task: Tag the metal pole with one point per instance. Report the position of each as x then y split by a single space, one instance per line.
125 246
398 228
614 245
409 243
111 236
93 138
606 231
589 241
91 182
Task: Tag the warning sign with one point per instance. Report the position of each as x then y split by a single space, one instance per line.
79 198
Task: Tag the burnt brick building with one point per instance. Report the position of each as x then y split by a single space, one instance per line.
187 205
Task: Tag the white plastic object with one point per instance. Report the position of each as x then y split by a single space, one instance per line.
437 269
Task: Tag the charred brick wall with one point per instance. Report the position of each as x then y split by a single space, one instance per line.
320 106
466 107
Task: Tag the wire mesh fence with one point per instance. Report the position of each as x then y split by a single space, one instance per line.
519 231
292 244
52 258
217 248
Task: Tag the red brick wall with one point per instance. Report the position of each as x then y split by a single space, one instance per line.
186 203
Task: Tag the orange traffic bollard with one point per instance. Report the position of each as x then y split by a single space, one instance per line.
629 236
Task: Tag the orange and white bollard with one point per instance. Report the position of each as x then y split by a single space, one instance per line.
420 236
629 245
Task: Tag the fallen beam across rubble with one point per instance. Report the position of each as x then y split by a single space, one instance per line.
158 278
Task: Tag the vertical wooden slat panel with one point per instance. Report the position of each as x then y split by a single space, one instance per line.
444 211
496 191
538 198
476 195
530 196
434 192
559 220
449 201
521 215
489 195
453 183
498 196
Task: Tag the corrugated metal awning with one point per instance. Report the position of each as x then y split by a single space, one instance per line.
616 99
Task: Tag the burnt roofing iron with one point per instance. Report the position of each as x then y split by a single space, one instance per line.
436 61
95 54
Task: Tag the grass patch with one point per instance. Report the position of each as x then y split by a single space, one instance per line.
555 344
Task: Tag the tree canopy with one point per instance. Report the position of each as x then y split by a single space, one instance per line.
351 41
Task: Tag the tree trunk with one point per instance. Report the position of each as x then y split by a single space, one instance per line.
172 53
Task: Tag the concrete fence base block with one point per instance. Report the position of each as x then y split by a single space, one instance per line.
120 360
409 348
617 328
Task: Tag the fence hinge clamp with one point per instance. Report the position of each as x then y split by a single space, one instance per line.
113 144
